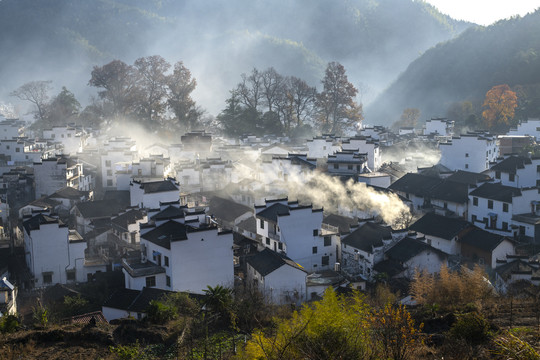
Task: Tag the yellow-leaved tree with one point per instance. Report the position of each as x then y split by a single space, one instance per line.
499 106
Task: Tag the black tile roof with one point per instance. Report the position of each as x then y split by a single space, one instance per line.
37 220
167 232
267 261
69 193
496 191
272 212
170 212
389 267
121 222
122 197
452 191
158 186
482 239
511 164
121 299
343 223
141 302
227 210
99 208
368 236
440 226
416 184
408 248
467 177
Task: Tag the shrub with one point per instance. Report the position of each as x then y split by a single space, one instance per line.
9 323
472 328
160 313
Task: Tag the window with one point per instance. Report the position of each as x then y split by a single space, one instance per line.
327 241
261 223
466 154
7 147
108 163
314 250
505 207
336 166
166 261
325 260
315 232
109 182
150 281
70 275
511 177
349 167
168 280
280 246
267 241
475 201
17 149
466 166
47 278
505 225
490 204
537 168
445 205
497 174
473 218
109 172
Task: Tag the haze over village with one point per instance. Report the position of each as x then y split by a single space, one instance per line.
302 206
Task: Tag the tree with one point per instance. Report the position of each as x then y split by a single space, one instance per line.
303 97
237 120
250 90
180 85
63 108
37 93
499 107
150 75
118 80
337 110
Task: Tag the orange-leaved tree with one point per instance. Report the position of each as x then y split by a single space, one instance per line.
499 106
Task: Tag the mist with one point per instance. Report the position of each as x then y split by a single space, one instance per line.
217 41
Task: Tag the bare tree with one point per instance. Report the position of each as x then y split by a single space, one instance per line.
151 88
250 90
37 93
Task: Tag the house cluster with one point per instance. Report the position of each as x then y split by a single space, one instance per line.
209 211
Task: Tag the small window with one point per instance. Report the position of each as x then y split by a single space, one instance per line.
168 281
108 163
109 182
70 275
336 166
349 167
473 219
505 225
466 166
261 223
511 177
314 250
315 232
267 241
497 174
466 154
47 278
109 172
280 246
17 149
490 204
327 240
505 207
475 201
166 261
150 281
325 260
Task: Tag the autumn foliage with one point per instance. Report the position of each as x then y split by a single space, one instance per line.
499 106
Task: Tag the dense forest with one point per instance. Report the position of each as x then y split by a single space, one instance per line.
453 78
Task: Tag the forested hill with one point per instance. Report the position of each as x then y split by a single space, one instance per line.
465 68
61 40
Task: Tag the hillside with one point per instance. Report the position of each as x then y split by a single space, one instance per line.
465 68
61 40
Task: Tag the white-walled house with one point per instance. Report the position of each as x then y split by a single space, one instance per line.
529 127
471 152
180 257
295 230
347 163
365 145
113 161
322 146
441 232
54 254
416 188
279 279
49 176
485 248
10 129
150 194
67 136
439 126
492 206
517 171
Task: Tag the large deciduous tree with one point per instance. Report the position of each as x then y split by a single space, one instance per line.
180 85
499 107
337 110
37 93
63 108
117 79
151 89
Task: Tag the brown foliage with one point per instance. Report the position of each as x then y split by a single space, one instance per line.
499 106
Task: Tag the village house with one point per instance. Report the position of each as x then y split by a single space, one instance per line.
128 303
68 137
529 127
517 171
11 129
321 146
471 152
515 269
297 166
54 254
515 144
279 279
441 232
347 164
8 297
182 257
90 215
416 188
485 248
295 230
364 145
15 154
440 127
144 170
150 194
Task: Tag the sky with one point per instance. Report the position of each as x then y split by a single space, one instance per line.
484 12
